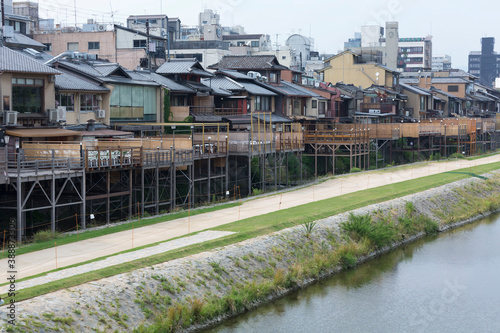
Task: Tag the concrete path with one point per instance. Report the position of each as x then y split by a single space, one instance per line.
121 258
42 261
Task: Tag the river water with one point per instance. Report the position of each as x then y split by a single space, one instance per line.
445 283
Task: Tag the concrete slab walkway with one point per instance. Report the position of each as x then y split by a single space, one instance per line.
42 261
121 258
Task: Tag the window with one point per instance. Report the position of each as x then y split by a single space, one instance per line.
283 57
314 104
321 109
88 102
93 45
73 46
48 46
254 44
139 43
262 103
452 88
27 95
422 103
67 100
273 77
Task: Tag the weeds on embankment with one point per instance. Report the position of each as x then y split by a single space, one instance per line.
320 252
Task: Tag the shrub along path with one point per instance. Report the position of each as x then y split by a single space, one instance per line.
38 262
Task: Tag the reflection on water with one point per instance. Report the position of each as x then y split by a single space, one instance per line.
444 283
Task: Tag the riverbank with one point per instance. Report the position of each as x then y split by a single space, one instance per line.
206 288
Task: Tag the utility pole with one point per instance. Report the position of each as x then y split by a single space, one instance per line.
147 42
3 15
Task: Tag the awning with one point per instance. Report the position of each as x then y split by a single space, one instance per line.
273 118
41 132
302 118
106 133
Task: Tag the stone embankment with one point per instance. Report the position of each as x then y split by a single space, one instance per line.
203 289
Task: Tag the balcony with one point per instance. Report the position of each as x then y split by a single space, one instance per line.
210 110
382 107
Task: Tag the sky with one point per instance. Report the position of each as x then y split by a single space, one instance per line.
456 26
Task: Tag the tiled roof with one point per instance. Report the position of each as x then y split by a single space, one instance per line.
222 82
260 62
24 41
166 82
234 74
182 66
12 61
255 89
67 81
81 67
415 90
296 90
125 80
105 70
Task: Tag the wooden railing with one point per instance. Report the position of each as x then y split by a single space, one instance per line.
32 161
211 110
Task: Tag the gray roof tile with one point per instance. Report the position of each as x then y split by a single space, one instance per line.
67 81
12 61
249 62
182 66
222 82
165 82
24 41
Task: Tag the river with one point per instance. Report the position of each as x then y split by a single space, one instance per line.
445 283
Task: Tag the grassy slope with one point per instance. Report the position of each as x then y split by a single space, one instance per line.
265 224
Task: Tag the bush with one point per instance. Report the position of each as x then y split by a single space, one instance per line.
44 235
380 233
308 228
353 170
347 260
457 155
256 191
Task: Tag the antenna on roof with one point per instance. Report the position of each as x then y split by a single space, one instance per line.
112 13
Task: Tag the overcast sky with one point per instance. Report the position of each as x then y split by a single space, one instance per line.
456 26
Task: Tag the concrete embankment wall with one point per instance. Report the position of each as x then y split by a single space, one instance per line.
276 261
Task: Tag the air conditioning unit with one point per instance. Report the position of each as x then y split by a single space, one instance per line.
100 114
10 117
61 113
53 116
101 27
254 75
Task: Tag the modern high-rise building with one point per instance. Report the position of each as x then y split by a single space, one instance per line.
485 63
441 62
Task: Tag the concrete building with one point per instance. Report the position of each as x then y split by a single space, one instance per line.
485 63
27 9
347 67
387 48
441 62
300 47
15 22
122 45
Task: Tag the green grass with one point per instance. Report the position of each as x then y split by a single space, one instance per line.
264 224
62 240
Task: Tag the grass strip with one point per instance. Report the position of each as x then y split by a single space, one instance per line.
32 247
266 224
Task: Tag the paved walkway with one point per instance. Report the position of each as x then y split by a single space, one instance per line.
121 258
42 261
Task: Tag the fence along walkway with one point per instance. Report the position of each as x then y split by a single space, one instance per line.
38 262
